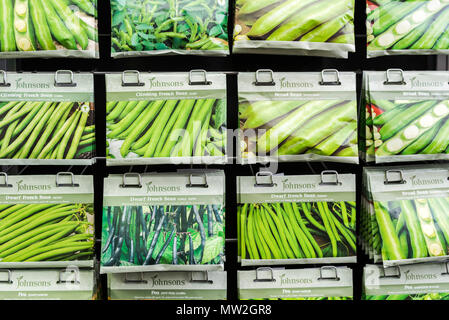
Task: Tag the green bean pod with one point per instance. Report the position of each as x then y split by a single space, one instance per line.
7 37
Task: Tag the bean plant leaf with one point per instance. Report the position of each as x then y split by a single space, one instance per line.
220 18
219 117
159 244
135 39
118 18
196 237
214 246
215 31
161 46
144 26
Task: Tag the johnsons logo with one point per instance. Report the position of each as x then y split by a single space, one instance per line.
156 282
409 276
23 283
416 83
20 84
154 83
425 182
153 188
296 84
21 186
287 185
294 281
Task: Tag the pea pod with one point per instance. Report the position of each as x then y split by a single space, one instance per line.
395 14
278 133
417 127
57 26
308 18
326 30
387 116
423 140
7 37
433 33
331 144
443 42
86 5
429 231
311 133
404 118
412 36
417 240
71 21
252 6
390 239
401 28
41 28
23 28
275 17
440 141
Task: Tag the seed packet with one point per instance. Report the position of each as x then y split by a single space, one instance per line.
291 116
312 28
47 118
303 219
145 28
46 221
409 207
174 285
424 281
409 115
163 222
166 118
48 29
325 283
407 27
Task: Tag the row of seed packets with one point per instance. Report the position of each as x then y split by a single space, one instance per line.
57 28
174 118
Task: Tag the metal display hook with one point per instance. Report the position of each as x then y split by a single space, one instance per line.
141 279
270 279
203 74
6 184
72 183
259 82
335 76
394 275
334 173
335 277
4 82
9 273
190 184
204 280
124 184
264 184
390 82
59 83
394 181
73 271
136 83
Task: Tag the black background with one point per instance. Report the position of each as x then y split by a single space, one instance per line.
356 62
